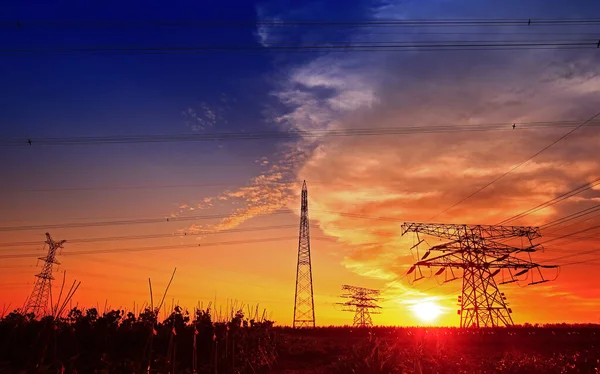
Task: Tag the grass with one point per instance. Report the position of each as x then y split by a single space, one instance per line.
119 342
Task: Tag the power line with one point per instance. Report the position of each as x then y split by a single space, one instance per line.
138 187
160 248
152 236
121 222
567 218
587 38
571 217
577 238
590 39
588 252
351 47
178 219
157 236
19 24
153 248
553 201
571 234
477 33
572 253
404 130
516 166
149 186
574 237
583 262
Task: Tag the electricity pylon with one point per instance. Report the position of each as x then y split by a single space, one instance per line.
362 302
304 303
38 300
476 250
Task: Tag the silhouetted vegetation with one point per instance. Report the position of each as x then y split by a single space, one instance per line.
85 341
521 349
119 342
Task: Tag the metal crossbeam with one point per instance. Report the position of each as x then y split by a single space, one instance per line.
455 232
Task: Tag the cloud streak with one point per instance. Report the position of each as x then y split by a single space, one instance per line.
413 177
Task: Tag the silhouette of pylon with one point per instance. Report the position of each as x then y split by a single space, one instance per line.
304 303
363 302
38 300
479 253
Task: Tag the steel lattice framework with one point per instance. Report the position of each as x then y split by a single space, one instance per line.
476 250
38 300
304 304
363 302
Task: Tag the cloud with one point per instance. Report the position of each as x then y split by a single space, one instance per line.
437 170
301 93
263 161
205 116
264 194
262 32
416 176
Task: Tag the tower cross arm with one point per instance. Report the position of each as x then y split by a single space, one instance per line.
451 259
511 262
359 290
454 260
459 231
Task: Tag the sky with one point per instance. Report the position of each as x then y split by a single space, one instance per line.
237 201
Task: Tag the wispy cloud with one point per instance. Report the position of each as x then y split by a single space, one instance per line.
205 116
413 177
301 92
266 193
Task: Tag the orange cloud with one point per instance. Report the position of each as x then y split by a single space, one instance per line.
368 185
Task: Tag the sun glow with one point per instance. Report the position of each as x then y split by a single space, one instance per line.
426 311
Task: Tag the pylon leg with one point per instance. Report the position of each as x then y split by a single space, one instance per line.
482 303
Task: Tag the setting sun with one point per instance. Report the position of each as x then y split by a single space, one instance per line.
309 187
426 310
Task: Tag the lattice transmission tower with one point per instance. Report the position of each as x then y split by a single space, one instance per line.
363 302
37 302
476 250
304 303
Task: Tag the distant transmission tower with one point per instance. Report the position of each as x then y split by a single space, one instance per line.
304 303
38 300
476 250
363 302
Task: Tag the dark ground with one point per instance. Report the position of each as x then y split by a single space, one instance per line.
119 342
555 349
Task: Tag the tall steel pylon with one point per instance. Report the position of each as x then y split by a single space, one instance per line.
304 303
38 300
476 250
362 302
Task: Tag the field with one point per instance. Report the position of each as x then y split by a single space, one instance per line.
119 342
524 349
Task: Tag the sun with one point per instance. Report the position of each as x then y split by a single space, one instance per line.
426 311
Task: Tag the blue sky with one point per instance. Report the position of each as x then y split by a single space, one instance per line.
405 177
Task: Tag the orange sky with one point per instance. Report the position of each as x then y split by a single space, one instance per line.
263 273
352 180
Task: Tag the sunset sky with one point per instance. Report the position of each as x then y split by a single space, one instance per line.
245 194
